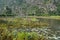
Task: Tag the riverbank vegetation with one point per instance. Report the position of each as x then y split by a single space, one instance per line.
46 17
6 26
22 22
13 35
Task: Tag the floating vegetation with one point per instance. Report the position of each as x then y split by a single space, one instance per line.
11 35
23 22
17 29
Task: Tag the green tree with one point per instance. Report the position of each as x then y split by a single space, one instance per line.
8 12
58 9
52 13
40 12
32 10
57 3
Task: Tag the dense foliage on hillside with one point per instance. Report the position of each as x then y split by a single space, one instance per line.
31 7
